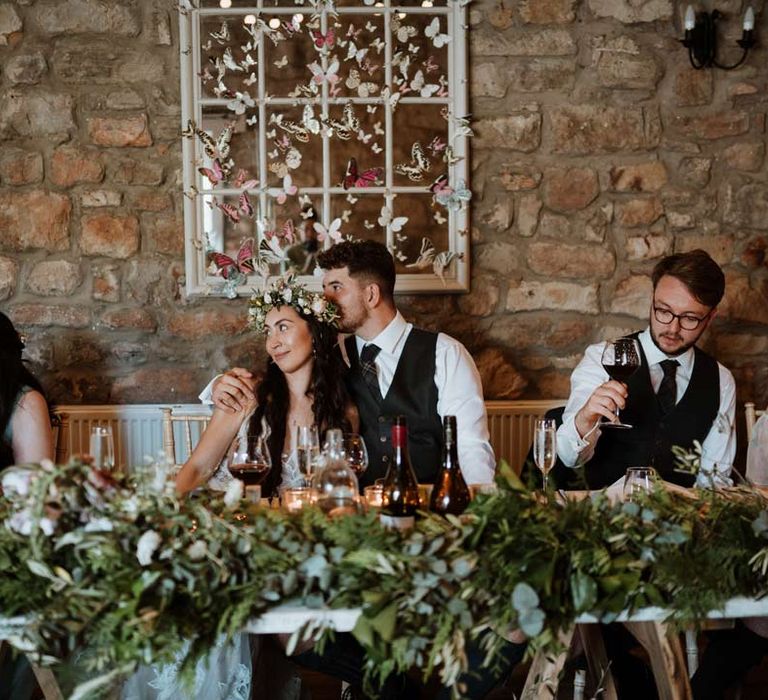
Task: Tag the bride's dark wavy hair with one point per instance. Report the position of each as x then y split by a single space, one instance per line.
330 399
14 376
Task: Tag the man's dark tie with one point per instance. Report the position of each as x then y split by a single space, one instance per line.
668 388
369 369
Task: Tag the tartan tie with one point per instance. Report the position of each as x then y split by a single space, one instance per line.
369 369
667 394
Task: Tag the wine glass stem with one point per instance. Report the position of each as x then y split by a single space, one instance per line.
546 481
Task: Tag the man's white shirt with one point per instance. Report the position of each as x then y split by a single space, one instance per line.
718 447
459 391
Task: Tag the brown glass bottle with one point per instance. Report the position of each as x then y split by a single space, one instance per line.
400 498
450 493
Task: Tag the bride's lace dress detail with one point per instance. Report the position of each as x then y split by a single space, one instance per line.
224 673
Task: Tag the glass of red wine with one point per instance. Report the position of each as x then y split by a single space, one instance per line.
250 462
621 359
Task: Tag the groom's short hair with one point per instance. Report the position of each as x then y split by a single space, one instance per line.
368 261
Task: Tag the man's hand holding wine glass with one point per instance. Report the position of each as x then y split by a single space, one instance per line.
603 403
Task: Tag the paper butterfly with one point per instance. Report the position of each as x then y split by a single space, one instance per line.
222 36
419 85
215 174
429 65
429 256
309 121
395 223
324 40
282 63
320 76
418 165
369 67
367 178
347 126
353 53
242 263
270 250
333 232
433 32
218 148
454 199
242 180
378 44
436 146
230 211
296 130
229 60
287 233
288 190
244 205
402 32
364 89
353 33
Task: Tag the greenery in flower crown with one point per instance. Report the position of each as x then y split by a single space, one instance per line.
119 570
284 291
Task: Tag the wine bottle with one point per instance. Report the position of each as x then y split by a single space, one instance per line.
450 493
400 499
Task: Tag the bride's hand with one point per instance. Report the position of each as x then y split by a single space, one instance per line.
234 390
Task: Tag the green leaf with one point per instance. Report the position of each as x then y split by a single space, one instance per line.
583 591
384 622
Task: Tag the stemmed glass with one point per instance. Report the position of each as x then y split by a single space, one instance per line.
621 359
545 447
355 453
102 447
308 451
250 462
638 480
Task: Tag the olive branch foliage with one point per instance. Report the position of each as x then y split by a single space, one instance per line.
515 560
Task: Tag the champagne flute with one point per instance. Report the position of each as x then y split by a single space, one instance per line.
250 462
308 451
356 453
545 447
621 359
102 447
638 480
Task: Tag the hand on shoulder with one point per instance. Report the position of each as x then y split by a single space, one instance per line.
234 391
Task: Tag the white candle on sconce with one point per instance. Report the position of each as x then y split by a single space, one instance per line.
749 19
690 18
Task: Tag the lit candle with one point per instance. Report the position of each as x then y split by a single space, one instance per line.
690 18
749 19
374 495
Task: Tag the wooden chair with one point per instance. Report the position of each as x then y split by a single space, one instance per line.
751 414
186 420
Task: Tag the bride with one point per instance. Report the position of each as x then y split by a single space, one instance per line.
303 385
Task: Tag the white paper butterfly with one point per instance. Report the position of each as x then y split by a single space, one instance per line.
332 232
309 121
420 85
353 53
270 250
395 223
433 32
364 88
429 256
319 75
289 189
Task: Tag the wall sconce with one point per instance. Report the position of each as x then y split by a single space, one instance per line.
701 37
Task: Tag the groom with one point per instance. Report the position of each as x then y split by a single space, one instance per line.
394 369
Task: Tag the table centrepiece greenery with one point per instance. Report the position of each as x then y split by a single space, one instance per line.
118 569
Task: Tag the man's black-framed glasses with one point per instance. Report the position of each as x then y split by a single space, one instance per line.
687 321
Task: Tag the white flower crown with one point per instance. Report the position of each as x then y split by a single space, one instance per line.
285 292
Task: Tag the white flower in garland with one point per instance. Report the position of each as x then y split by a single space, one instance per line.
146 547
284 291
234 493
17 482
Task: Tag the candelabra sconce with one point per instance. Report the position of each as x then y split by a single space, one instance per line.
701 38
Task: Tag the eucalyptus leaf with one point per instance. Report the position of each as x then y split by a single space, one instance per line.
532 621
524 597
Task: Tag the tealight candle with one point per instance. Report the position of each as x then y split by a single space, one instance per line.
295 499
374 495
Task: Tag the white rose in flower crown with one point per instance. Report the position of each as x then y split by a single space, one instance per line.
146 547
267 298
287 295
319 305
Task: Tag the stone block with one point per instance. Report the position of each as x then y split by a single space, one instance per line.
54 278
120 131
638 177
592 129
152 200
138 172
100 198
554 296
744 205
50 315
88 17
486 80
576 261
713 126
165 233
20 167
483 299
501 215
71 165
755 253
632 11
149 279
547 11
695 171
638 212
26 69
197 325
519 176
499 377
9 273
34 219
623 65
10 23
157 385
633 296
29 114
646 247
137 319
528 214
517 132
720 248
554 226
498 257
106 282
747 156
544 42
693 88
500 16
570 189
744 302
111 235
540 74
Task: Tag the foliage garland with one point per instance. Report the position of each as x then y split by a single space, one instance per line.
119 567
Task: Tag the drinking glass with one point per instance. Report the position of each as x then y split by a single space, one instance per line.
355 453
638 480
308 451
545 447
621 359
250 461
102 447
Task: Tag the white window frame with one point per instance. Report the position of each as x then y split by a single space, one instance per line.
198 281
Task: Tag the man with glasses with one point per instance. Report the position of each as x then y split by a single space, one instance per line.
678 395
